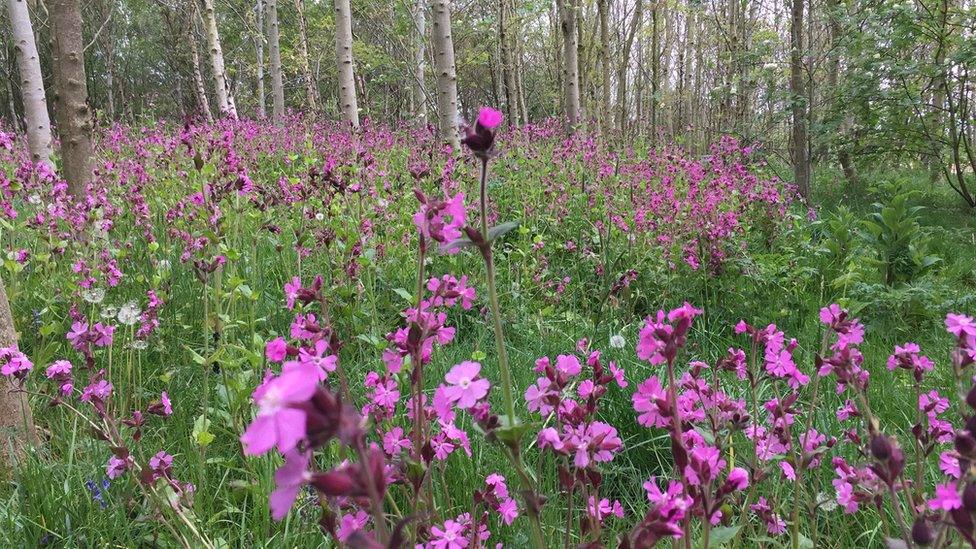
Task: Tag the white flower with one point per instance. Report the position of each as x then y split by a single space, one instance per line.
110 311
93 295
129 313
319 216
617 341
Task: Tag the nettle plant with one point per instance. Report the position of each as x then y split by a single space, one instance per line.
740 429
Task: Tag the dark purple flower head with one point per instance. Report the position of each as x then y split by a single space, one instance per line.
481 138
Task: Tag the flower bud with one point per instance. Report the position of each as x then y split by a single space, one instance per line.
971 398
880 447
921 532
965 443
969 497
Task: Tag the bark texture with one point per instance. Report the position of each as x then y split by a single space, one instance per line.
225 99
420 62
31 83
274 57
16 420
71 94
344 61
311 92
568 21
447 107
259 55
801 162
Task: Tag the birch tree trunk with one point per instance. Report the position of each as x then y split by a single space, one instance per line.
199 89
31 83
506 44
259 54
801 164
623 109
311 92
605 118
71 94
347 77
420 62
16 420
274 55
447 107
225 99
568 21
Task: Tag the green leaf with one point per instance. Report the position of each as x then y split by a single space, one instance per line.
404 294
498 231
723 534
201 433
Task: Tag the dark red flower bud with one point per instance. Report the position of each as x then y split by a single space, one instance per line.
880 447
921 532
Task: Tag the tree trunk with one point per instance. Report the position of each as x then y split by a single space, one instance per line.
31 83
16 420
274 55
801 162
655 68
259 54
311 91
225 99
624 67
506 43
107 39
71 95
447 113
420 63
347 78
199 89
605 118
568 13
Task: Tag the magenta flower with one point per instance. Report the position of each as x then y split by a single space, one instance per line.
277 422
291 292
16 363
649 400
960 325
116 467
946 498
440 220
481 138
465 387
58 368
449 536
289 479
351 523
276 349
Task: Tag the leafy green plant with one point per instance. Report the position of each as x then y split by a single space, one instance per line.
901 249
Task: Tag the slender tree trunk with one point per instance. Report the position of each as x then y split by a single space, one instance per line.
568 13
107 39
420 62
344 60
623 69
274 55
801 162
259 54
311 91
31 84
199 89
506 44
16 420
443 41
605 118
71 94
655 67
225 99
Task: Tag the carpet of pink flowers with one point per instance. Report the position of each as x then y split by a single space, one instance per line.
342 394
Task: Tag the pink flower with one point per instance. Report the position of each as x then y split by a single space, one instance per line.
568 365
498 486
16 363
788 471
738 478
489 117
618 375
394 442
465 387
291 291
116 467
448 536
351 523
289 479
58 368
946 498
648 401
277 422
508 511
276 349
959 325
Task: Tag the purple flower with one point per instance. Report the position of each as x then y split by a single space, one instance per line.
289 479
277 422
465 387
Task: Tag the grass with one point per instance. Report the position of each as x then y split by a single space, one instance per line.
783 280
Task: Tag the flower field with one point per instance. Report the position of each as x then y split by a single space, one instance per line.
247 334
